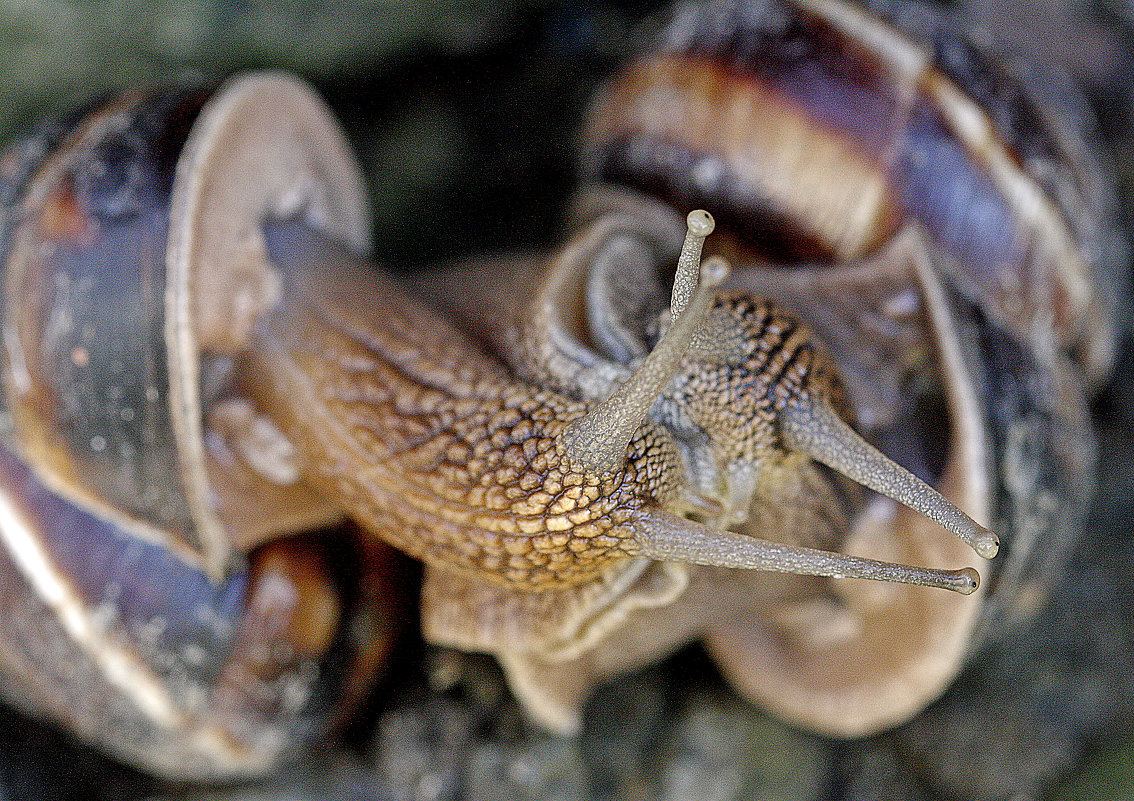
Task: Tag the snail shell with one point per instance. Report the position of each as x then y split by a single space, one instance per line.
765 103
157 596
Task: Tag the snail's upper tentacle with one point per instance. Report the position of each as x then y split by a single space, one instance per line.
598 440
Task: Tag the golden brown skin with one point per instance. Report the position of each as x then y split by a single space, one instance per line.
439 449
435 447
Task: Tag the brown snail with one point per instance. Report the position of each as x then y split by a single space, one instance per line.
956 254
599 496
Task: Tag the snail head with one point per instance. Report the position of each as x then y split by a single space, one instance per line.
752 403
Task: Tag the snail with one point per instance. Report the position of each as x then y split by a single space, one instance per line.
953 244
628 467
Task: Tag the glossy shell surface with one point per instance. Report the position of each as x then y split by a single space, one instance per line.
765 104
140 608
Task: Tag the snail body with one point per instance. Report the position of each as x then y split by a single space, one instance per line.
866 181
629 467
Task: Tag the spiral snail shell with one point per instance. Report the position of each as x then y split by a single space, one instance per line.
158 598
199 365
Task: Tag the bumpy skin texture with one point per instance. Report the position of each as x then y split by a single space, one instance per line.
757 360
440 450
760 359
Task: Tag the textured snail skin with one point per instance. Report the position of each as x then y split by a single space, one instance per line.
494 492
944 186
534 544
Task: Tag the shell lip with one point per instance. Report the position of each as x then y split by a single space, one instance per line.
157 624
264 145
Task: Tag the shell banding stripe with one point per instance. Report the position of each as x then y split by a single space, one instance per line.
811 90
39 531
144 581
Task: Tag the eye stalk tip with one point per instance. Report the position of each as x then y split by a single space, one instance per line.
967 581
986 544
700 223
815 429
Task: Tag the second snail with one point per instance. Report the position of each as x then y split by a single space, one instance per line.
598 453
